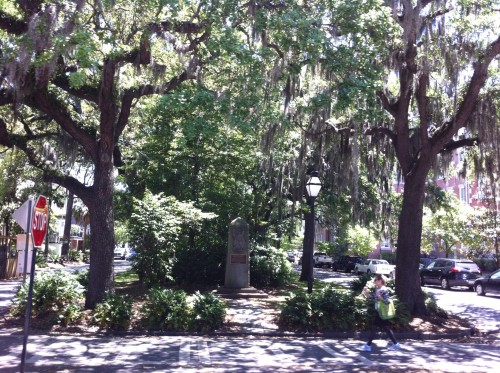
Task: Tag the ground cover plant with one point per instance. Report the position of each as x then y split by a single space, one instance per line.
57 298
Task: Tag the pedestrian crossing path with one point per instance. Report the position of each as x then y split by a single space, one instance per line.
102 354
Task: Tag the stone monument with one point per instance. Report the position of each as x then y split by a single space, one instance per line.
237 262
237 280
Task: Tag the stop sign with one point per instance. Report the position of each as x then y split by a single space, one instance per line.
40 220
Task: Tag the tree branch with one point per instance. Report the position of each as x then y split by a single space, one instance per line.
34 158
88 93
421 96
390 108
469 102
151 89
48 104
382 130
452 145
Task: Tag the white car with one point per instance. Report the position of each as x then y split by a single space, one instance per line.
120 253
378 266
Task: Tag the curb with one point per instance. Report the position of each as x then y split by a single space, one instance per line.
275 334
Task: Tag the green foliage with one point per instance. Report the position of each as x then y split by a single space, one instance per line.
360 282
55 294
208 312
207 256
328 309
41 262
75 255
269 267
114 313
331 309
155 229
432 306
166 309
83 278
361 240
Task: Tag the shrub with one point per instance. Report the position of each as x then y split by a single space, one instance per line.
269 267
155 228
165 309
358 284
296 313
326 309
209 312
41 261
54 293
431 305
83 278
75 255
115 312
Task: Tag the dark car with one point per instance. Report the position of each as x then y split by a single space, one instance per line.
488 284
346 263
450 272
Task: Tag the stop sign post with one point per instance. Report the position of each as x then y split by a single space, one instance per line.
38 230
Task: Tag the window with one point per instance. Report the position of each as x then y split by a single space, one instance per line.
463 193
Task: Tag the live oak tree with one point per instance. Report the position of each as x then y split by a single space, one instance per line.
440 62
83 66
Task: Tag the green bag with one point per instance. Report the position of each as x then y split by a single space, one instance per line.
386 311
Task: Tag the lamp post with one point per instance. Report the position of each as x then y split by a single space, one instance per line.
313 186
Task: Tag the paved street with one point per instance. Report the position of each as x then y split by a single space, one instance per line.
217 354
250 353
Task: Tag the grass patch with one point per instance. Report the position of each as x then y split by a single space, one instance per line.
126 278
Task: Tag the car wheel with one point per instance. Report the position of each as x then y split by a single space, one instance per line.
368 272
445 284
480 289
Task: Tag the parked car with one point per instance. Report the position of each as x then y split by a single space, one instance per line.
450 272
488 284
378 266
322 260
346 263
290 255
120 253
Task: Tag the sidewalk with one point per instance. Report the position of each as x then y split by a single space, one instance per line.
8 289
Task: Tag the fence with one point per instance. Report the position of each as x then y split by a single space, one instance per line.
8 257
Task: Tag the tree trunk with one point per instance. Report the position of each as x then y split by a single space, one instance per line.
102 239
67 224
408 287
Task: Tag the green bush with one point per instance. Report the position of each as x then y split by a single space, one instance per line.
325 310
57 294
209 312
431 305
83 278
115 312
296 313
207 256
41 262
359 283
75 255
269 267
156 227
165 309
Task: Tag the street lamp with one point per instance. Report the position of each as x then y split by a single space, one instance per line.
313 186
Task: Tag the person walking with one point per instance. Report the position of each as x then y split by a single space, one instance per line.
381 293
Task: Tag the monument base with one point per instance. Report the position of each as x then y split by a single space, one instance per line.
249 292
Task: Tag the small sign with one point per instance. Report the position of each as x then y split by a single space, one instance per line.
40 220
238 259
21 215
